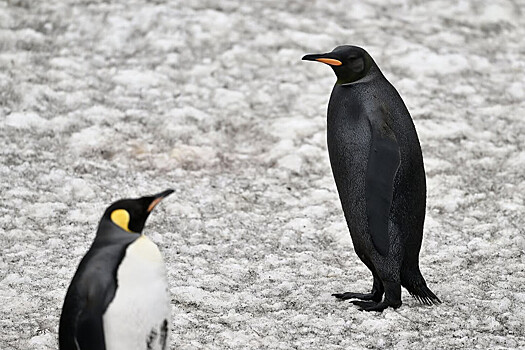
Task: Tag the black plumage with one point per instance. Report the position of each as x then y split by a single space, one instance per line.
378 168
92 289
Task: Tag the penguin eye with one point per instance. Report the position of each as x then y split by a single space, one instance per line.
121 218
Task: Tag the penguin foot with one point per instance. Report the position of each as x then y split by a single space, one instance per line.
364 304
374 306
361 296
370 305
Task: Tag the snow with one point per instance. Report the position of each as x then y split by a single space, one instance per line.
25 120
90 139
101 101
425 62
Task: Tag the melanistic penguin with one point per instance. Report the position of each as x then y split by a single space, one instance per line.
378 169
118 298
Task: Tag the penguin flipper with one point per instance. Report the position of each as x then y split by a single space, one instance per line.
81 325
383 162
90 331
86 318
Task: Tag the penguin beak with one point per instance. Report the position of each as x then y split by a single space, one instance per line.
324 58
158 197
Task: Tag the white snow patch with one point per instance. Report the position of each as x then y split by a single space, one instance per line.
78 190
292 162
136 79
496 12
299 224
517 90
194 156
66 63
433 129
517 160
26 120
29 35
426 62
464 90
450 200
436 164
90 139
309 40
229 99
39 342
182 209
279 149
320 195
293 128
338 231
101 114
45 210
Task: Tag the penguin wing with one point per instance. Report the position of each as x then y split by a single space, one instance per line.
90 331
90 293
81 321
383 162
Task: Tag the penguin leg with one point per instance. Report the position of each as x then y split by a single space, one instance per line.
375 295
392 298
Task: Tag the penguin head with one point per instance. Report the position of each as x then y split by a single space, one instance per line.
131 214
350 63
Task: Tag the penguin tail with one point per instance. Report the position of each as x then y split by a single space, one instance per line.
424 295
417 287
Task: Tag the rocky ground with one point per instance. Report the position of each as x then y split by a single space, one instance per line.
104 100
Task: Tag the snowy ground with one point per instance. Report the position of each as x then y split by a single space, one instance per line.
104 100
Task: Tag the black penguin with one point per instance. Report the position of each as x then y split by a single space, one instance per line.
378 169
118 298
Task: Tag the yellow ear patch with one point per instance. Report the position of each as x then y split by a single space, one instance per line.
330 61
121 218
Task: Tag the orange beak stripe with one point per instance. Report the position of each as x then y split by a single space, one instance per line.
154 203
330 61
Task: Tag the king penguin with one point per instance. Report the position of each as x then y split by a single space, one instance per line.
118 298
377 164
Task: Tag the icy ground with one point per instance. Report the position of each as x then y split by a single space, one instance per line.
104 100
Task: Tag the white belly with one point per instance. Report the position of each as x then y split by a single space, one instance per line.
139 316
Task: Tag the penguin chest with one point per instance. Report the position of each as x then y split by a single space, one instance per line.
348 140
139 315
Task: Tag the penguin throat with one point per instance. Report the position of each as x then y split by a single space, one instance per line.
351 78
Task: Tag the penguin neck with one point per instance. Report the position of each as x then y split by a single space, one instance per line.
372 73
107 230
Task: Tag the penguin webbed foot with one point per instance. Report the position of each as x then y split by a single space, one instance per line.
370 305
361 296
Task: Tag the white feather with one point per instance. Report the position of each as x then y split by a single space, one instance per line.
135 319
